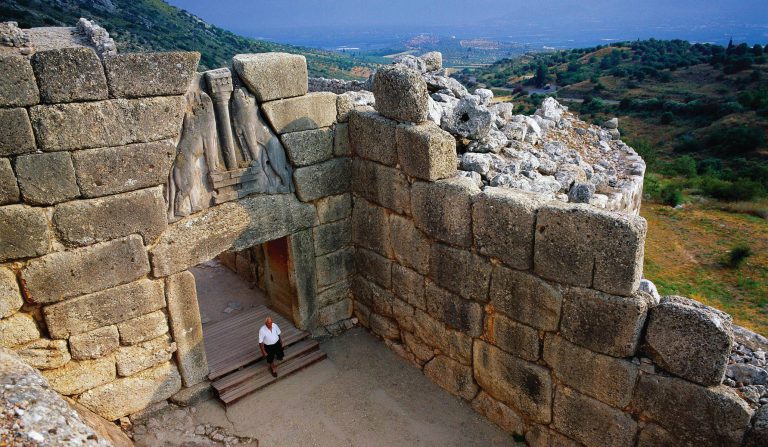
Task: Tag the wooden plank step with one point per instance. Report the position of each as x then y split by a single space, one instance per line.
244 374
223 350
246 356
265 378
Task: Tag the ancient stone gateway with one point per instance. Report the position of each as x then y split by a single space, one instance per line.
530 309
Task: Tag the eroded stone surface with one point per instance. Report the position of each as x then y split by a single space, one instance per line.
426 152
443 209
401 94
69 74
16 135
132 75
45 179
312 111
9 189
10 296
526 298
373 137
452 376
591 422
25 232
94 344
272 76
17 329
186 327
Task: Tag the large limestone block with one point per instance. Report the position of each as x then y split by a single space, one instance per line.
9 188
341 145
309 147
25 232
541 436
186 327
460 271
46 179
373 296
334 294
103 308
384 327
373 137
113 170
322 180
421 351
10 297
332 236
591 422
583 246
16 135
135 358
515 338
131 394
759 432
84 270
435 334
693 414
107 123
17 84
604 323
381 184
78 376
85 222
143 328
607 379
272 76
403 314
443 209
525 298
69 75
17 329
131 75
408 285
401 94
452 376
425 151
374 267
411 248
369 227
333 208
458 313
498 413
689 339
233 225
336 312
312 111
44 354
504 222
94 344
522 385
335 267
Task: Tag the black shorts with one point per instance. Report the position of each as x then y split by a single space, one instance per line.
274 351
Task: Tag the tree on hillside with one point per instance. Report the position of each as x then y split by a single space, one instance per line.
542 75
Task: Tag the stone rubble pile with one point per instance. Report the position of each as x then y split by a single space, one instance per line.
177 427
98 37
13 36
747 372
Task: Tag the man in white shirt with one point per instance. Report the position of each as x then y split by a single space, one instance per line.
270 344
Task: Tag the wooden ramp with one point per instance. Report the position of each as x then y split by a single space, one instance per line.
236 365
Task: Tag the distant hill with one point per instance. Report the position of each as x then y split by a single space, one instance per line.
153 25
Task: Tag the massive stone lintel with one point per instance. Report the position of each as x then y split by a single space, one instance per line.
273 76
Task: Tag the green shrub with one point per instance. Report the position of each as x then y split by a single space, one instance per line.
736 140
671 194
731 191
667 117
684 166
738 255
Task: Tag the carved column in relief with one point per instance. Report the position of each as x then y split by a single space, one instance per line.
220 86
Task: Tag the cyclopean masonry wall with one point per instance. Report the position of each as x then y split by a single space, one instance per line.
116 177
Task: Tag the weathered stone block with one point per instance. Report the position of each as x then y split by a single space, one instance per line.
369 227
695 415
362 313
426 152
408 285
460 314
373 296
498 413
332 236
443 209
44 353
272 76
313 111
454 344
583 246
689 339
131 394
131 75
373 137
336 312
504 221
10 297
335 267
104 308
78 376
401 94
309 147
135 358
17 329
604 323
9 189
25 232
69 75
541 436
143 328
45 179
591 422
525 298
193 395
325 179
651 435
403 313
452 376
374 267
232 225
757 435
16 135
460 271
341 145
411 248
524 386
186 327
84 270
107 123
335 293
607 379
333 208
383 185
94 344
113 170
384 327
17 85
515 338
420 351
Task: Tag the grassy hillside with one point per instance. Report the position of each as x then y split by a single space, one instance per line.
143 25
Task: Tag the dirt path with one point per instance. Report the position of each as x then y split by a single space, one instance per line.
220 289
